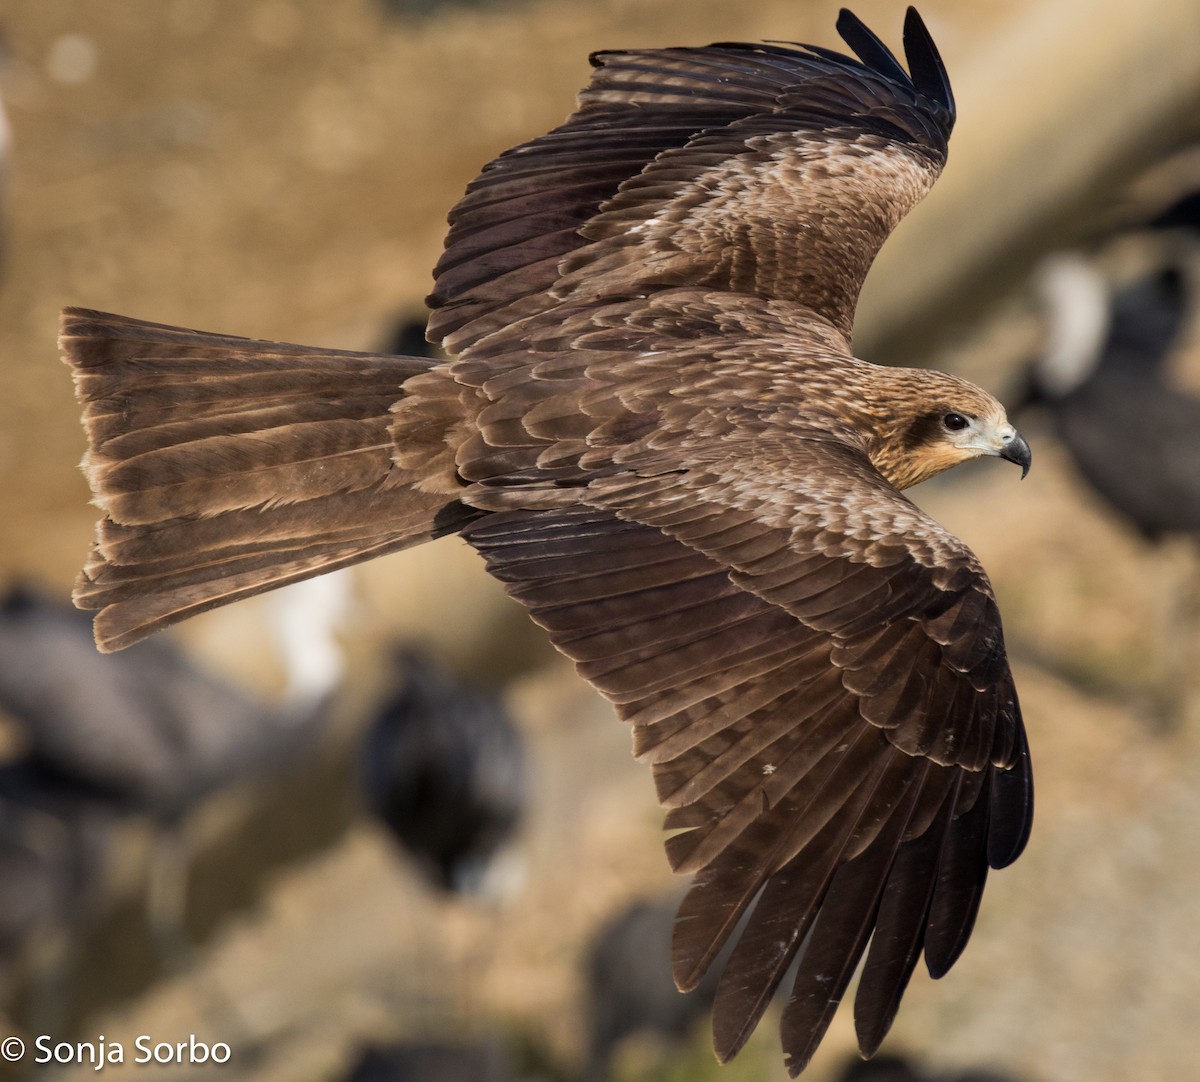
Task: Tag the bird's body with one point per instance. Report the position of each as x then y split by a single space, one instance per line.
653 428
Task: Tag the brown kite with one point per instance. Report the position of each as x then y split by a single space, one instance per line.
653 429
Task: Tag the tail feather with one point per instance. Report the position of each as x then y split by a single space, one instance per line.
134 606
212 474
227 466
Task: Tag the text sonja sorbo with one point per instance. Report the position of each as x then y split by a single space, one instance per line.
100 1053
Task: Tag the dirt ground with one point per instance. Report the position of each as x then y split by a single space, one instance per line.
282 169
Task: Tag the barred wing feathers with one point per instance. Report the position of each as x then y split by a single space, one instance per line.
783 793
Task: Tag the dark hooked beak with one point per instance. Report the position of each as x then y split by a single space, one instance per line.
1017 450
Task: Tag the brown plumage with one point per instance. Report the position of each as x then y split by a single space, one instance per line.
654 430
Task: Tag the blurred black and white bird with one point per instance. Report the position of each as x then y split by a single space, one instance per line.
1104 378
150 728
150 733
1120 329
628 985
444 767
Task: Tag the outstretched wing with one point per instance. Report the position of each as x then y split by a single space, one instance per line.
805 747
813 667
765 169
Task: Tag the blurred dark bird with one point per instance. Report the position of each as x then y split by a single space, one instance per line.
1108 380
430 1061
407 339
45 860
148 732
654 430
148 728
628 985
1104 379
444 767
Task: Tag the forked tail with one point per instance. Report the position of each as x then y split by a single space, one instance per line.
227 466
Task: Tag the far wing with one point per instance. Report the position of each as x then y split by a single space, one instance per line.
784 795
755 168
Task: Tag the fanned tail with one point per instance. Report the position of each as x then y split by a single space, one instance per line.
227 466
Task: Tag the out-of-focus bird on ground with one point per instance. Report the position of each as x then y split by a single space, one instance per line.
1109 379
1119 319
149 732
654 430
1104 378
628 987
149 727
443 766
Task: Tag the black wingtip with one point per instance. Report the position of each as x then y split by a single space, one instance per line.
1011 813
926 72
869 49
925 63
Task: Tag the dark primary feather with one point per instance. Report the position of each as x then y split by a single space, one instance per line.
925 63
443 766
655 433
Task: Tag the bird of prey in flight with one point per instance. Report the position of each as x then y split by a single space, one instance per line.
653 428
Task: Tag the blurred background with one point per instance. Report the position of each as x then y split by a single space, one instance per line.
190 842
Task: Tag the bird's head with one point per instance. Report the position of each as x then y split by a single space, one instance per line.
934 421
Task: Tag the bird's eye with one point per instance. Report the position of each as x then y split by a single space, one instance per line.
955 422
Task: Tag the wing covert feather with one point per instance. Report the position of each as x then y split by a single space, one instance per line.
912 620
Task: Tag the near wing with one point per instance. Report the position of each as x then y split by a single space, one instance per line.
751 168
829 714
